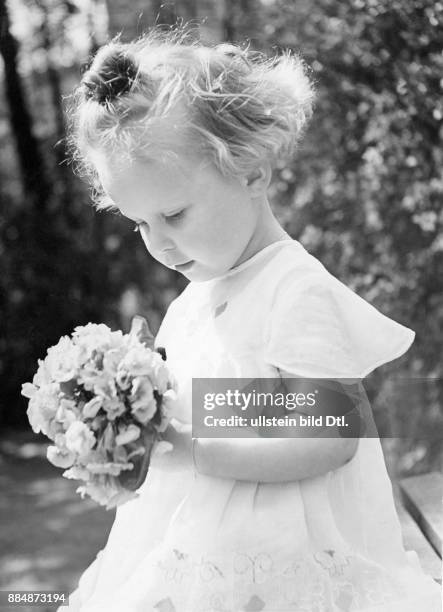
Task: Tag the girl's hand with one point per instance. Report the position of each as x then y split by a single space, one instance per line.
134 478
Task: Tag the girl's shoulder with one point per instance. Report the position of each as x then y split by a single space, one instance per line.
317 326
270 270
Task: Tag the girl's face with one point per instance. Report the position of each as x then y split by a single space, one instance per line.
191 218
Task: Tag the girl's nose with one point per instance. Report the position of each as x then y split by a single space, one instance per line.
156 240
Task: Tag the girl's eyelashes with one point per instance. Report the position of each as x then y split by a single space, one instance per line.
168 218
175 217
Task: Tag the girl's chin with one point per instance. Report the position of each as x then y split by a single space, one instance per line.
196 273
183 268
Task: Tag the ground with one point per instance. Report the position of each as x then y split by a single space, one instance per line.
48 534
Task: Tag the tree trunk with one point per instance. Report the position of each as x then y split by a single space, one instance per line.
56 99
31 161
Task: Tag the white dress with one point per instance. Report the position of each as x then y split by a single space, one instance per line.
195 543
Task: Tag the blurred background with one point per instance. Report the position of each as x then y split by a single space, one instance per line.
364 195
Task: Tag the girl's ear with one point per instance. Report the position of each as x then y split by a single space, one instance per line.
257 181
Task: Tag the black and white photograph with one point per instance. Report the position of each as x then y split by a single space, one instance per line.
221 341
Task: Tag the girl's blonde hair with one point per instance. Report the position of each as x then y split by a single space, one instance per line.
233 105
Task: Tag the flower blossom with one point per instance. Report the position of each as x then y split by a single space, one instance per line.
79 438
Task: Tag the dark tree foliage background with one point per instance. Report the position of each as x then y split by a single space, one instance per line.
364 193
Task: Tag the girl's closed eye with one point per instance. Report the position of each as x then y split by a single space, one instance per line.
168 218
175 217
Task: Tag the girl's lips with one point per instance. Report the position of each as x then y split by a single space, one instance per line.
184 266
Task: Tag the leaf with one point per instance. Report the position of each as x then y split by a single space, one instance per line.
140 329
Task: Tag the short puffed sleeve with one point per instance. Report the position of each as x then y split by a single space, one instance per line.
318 327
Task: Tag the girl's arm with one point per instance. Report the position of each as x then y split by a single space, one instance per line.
276 459
271 459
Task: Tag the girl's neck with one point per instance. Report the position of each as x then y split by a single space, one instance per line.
268 230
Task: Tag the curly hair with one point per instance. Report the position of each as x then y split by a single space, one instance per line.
233 105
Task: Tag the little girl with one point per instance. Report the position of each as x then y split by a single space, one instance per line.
182 138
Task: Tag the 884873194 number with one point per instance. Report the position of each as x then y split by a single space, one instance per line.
36 598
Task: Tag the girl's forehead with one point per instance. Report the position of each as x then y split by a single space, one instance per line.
176 178
154 185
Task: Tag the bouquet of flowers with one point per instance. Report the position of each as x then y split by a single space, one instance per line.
104 398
